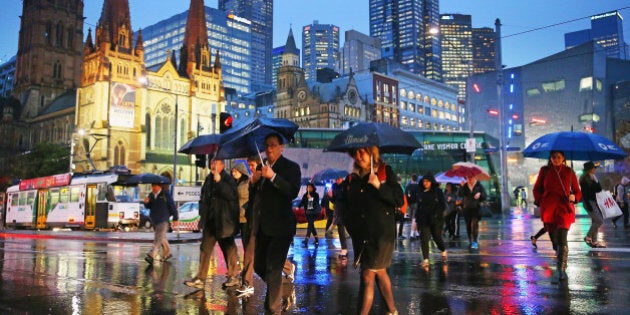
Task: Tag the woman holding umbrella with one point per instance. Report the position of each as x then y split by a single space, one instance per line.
555 191
369 196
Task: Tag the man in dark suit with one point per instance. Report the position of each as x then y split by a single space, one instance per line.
280 184
218 209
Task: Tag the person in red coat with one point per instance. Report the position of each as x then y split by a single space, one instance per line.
556 191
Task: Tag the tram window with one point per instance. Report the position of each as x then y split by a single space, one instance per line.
64 195
14 200
30 198
75 191
53 194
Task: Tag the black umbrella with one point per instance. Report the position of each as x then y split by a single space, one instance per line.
204 144
147 178
328 174
248 139
388 138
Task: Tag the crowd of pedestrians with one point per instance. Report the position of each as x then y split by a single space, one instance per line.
257 203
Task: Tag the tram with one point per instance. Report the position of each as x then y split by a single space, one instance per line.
80 201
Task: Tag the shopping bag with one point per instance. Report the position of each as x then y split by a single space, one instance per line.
609 207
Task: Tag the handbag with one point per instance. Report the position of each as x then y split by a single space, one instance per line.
607 205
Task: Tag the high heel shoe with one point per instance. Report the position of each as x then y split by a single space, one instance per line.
316 242
533 239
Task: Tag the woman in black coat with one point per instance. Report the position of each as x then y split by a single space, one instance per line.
472 194
310 203
369 198
430 216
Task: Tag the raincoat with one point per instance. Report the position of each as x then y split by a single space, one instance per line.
552 195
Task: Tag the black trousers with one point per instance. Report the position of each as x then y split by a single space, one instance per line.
270 254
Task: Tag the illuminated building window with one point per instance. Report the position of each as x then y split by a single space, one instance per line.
586 84
553 86
533 92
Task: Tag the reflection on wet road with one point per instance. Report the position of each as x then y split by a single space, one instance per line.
505 276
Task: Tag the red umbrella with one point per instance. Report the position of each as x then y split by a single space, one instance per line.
467 169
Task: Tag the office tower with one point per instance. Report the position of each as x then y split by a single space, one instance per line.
260 13
606 30
483 40
456 36
358 51
320 46
228 34
404 28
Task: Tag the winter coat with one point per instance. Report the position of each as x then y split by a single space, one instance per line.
431 203
553 199
316 209
589 188
218 207
243 197
469 203
369 216
161 207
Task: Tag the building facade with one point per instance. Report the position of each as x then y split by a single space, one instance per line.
358 51
320 48
260 13
231 35
457 50
129 115
483 45
570 90
403 27
606 30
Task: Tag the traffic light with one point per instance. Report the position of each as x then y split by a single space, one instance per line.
225 122
200 160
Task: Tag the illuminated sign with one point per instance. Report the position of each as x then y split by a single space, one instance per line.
44 182
239 19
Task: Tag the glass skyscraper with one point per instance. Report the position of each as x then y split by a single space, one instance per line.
320 47
457 52
606 30
404 28
260 13
229 34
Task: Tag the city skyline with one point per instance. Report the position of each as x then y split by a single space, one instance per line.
544 23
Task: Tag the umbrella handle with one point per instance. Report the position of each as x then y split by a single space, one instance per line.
258 150
371 164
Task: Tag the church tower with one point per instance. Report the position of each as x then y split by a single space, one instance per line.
291 83
109 111
49 54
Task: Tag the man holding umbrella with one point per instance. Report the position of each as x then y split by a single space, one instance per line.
162 208
279 185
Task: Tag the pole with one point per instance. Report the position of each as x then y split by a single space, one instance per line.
505 199
175 143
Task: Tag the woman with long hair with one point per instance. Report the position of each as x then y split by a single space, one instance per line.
556 191
370 196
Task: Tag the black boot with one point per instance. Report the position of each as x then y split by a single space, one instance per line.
563 253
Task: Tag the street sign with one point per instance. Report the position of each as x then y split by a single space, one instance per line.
471 145
513 149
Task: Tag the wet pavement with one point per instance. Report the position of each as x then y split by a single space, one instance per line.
74 272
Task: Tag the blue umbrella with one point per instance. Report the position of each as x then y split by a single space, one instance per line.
388 138
581 146
147 178
204 144
248 139
328 174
